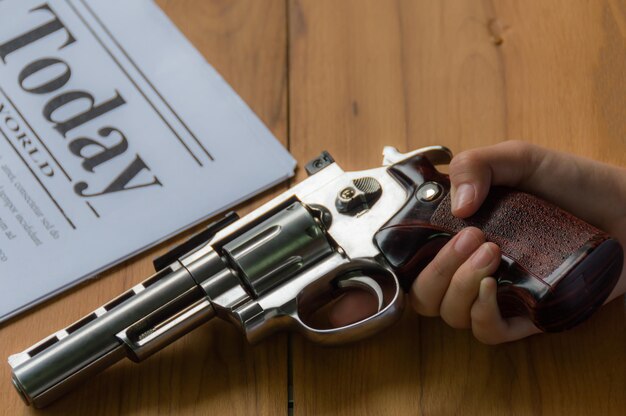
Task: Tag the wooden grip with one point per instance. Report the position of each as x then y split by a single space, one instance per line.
537 235
556 269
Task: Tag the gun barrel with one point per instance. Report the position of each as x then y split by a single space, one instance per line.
136 324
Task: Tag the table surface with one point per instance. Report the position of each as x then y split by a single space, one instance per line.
351 76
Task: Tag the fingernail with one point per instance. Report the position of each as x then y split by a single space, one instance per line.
466 243
463 196
483 257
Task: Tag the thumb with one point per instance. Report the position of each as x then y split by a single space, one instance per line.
474 171
470 179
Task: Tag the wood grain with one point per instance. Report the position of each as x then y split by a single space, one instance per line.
352 76
364 74
212 370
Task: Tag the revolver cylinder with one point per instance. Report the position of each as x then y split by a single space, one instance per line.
278 248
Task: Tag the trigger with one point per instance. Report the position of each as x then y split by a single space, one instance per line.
366 283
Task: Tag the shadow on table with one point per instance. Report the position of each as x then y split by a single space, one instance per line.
212 368
421 366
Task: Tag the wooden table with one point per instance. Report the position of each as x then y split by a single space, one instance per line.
350 77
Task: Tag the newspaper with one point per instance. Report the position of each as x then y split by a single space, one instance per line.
115 134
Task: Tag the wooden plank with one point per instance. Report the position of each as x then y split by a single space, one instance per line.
212 370
412 73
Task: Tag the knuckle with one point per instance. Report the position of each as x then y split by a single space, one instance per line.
422 306
436 269
520 148
455 320
425 310
483 329
478 315
457 323
516 145
525 153
464 165
447 261
463 284
487 337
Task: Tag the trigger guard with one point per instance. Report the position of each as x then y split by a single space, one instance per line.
389 311
365 328
280 309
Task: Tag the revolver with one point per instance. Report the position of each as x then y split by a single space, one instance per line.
279 266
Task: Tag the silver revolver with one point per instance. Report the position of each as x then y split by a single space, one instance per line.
336 231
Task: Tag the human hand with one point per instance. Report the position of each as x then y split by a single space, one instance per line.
456 283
